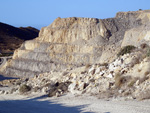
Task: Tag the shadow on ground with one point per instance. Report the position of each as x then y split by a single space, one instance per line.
5 78
35 106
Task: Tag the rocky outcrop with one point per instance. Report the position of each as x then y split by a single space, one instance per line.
73 42
137 35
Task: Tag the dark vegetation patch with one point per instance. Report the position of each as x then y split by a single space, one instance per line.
58 89
125 50
24 89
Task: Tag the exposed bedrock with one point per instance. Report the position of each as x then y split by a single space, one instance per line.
72 42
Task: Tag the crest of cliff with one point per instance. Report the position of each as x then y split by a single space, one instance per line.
11 37
73 42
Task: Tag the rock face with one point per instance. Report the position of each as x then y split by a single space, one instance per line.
139 34
72 42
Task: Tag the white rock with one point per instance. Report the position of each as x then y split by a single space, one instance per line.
76 92
72 87
2 92
146 59
94 90
88 90
120 91
6 92
102 73
116 62
98 70
86 80
111 67
57 94
137 82
65 79
110 76
44 89
91 69
97 76
73 75
81 85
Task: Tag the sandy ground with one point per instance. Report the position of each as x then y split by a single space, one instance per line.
69 104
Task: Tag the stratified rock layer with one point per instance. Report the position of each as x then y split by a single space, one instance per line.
72 42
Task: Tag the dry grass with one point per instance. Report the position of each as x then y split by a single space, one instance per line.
125 81
131 83
118 80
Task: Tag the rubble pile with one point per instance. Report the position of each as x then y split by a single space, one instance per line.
127 76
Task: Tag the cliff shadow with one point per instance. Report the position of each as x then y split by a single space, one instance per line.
6 78
36 106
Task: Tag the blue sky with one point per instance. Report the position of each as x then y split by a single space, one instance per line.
39 13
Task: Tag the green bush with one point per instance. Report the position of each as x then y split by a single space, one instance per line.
24 88
148 52
125 50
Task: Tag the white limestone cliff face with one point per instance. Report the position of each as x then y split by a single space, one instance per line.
139 34
73 42
68 30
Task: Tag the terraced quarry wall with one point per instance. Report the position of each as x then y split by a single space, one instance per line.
72 42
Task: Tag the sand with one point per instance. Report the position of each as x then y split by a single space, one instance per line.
38 103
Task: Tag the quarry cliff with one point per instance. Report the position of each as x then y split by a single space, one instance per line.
73 42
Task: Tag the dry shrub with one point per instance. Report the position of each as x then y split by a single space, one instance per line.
148 52
118 80
125 50
24 88
132 81
123 80
58 88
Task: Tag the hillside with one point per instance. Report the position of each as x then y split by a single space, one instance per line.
108 58
73 42
12 37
